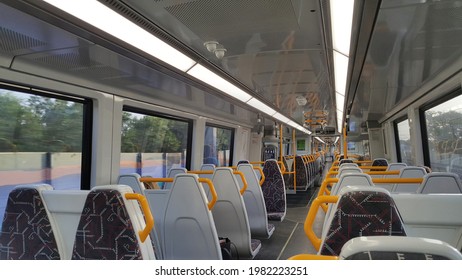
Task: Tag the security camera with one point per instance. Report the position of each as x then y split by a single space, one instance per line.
220 52
211 45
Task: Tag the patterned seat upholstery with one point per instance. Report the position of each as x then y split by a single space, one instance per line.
274 191
379 162
27 233
345 161
300 172
106 229
361 211
244 161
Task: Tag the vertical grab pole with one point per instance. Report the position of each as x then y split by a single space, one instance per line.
345 145
294 151
280 144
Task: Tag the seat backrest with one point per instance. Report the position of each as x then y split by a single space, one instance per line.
343 161
157 200
27 232
189 230
398 248
409 172
348 170
109 227
351 179
172 173
254 202
230 214
242 161
440 182
361 211
301 172
396 166
274 190
65 208
132 180
348 164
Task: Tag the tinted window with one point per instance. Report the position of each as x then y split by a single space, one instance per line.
218 145
404 142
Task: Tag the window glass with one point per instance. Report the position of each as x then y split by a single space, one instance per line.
218 145
41 141
152 145
404 142
444 135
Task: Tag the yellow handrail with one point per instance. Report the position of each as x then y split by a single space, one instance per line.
244 181
201 172
309 220
262 175
212 192
147 214
300 257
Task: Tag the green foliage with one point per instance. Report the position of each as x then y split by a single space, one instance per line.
31 123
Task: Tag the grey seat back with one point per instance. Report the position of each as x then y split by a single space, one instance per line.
157 199
346 170
409 172
132 180
189 230
230 214
255 203
398 248
172 173
27 232
440 182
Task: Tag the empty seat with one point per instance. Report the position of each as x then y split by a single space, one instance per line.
349 170
398 248
255 204
230 214
440 182
379 162
348 164
172 173
409 172
343 161
274 191
396 166
27 232
361 211
188 228
301 173
112 226
132 180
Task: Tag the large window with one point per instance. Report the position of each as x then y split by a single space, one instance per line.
443 127
153 144
404 148
218 145
42 141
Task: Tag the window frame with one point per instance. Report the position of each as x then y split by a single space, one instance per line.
397 143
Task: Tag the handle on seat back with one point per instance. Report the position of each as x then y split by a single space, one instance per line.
308 226
147 214
212 191
261 173
244 181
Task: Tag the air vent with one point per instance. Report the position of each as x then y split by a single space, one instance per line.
13 42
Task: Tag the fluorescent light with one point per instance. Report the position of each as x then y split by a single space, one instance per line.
340 101
340 72
336 140
205 75
319 139
109 21
281 118
257 104
341 14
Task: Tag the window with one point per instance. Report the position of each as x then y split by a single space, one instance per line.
42 141
443 130
218 145
403 144
153 144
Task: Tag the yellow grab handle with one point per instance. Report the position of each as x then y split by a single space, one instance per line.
155 180
313 257
244 181
309 221
147 214
212 192
199 172
261 173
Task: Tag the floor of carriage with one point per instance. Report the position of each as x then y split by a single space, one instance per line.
289 237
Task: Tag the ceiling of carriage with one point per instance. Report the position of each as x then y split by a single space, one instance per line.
412 41
274 47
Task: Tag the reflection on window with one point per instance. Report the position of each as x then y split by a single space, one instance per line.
152 145
404 140
218 145
40 142
444 134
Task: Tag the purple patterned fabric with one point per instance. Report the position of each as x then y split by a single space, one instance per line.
26 230
362 214
105 231
254 243
273 189
301 172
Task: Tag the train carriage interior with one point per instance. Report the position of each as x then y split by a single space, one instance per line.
264 129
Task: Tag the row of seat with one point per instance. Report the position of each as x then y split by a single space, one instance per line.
104 223
239 213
